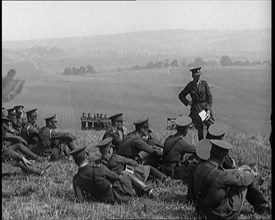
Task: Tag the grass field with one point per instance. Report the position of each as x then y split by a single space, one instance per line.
53 197
242 100
241 96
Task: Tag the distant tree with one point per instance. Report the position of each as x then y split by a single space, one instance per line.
159 64
211 63
82 70
255 63
166 63
267 62
225 61
150 65
90 69
136 67
199 62
183 63
68 71
174 63
238 63
75 71
247 63
11 74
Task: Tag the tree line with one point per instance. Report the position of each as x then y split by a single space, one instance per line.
79 71
198 61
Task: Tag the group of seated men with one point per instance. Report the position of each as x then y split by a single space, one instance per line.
216 185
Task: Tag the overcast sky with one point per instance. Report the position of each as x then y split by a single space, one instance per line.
22 20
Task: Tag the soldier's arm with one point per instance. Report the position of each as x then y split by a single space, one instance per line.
234 177
14 138
116 139
183 94
32 131
128 161
209 98
78 191
64 136
9 153
110 175
187 147
143 146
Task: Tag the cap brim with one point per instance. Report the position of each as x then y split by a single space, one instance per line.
203 149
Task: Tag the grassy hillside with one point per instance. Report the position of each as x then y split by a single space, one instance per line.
54 196
242 96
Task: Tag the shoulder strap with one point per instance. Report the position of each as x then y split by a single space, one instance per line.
170 146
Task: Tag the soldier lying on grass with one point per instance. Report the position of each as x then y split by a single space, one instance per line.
122 165
98 181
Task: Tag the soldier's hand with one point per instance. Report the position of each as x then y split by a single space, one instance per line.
26 162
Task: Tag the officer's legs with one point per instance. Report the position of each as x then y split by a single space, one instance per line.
198 125
139 184
169 169
71 145
157 174
24 150
254 195
29 169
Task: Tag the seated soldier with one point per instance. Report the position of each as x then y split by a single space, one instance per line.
119 164
3 112
220 193
20 120
115 130
54 142
15 143
98 181
175 148
216 131
30 130
14 162
12 116
134 147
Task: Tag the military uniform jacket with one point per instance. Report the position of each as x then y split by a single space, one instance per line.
53 137
132 145
18 124
175 147
201 96
30 132
117 163
113 132
101 183
216 189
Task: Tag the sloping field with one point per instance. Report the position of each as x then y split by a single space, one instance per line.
242 96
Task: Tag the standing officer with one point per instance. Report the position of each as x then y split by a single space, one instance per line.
54 142
99 181
220 193
175 147
31 131
113 130
201 100
134 147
